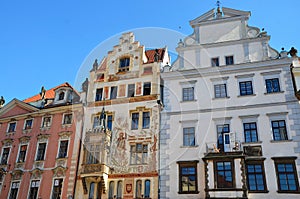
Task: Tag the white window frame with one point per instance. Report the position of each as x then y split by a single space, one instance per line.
30 187
19 183
218 81
8 125
60 140
188 84
8 153
189 124
37 149
250 119
42 123
24 127
63 118
272 75
245 78
62 186
279 116
27 147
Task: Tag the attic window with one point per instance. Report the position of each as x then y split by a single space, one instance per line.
61 95
124 64
100 77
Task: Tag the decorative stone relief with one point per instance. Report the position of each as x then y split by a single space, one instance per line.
59 171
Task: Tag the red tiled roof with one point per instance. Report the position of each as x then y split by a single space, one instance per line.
150 54
49 94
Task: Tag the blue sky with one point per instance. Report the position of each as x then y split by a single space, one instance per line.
46 43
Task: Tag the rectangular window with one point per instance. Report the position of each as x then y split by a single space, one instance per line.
188 178
279 130
96 122
147 88
229 60
113 92
99 94
41 152
28 124
57 188
250 132
146 120
189 136
22 153
134 121
220 91
139 154
224 174
124 64
287 178
109 122
223 140
256 177
272 85
246 88
188 94
5 154
46 121
67 118
93 154
34 189
14 190
12 127
130 90
215 61
63 149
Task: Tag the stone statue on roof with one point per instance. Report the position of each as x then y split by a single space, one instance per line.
95 65
2 101
85 85
43 93
156 56
293 52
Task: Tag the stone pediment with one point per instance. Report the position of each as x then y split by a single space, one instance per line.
16 107
227 13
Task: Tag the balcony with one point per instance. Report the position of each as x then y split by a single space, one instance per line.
94 168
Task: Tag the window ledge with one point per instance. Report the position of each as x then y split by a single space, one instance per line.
273 93
219 98
195 146
245 143
66 125
194 100
280 141
264 191
246 95
289 192
188 192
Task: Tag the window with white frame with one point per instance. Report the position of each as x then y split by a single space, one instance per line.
67 118
11 127
41 150
5 155
278 126
46 122
57 188
245 83
28 124
272 81
111 189
34 189
139 153
188 90
22 153
189 136
63 149
250 128
14 190
220 87
93 154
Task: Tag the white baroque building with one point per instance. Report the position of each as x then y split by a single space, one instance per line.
229 127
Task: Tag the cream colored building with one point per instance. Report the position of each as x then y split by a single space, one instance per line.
229 125
121 124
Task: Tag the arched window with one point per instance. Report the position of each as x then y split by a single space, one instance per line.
119 190
147 189
138 191
111 190
91 191
61 95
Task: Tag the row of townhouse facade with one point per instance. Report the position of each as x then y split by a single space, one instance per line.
221 122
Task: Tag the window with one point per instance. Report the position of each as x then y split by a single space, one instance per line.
188 94
99 94
134 121
111 190
34 189
124 64
220 91
224 174
63 149
96 122
250 132
12 127
272 85
246 88
287 178
113 92
14 190
93 154
139 154
279 130
130 90
22 153
46 121
138 189
146 120
109 122
41 152
5 154
215 61
61 95
223 136
188 178
119 190
28 124
147 88
56 190
256 177
92 190
147 189
189 136
229 60
67 118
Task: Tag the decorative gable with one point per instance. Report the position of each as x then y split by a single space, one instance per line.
16 107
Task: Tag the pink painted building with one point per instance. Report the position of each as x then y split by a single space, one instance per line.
39 145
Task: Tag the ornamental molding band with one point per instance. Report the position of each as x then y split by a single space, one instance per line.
36 174
43 137
7 142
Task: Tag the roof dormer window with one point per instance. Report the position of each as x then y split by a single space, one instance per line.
61 95
124 64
